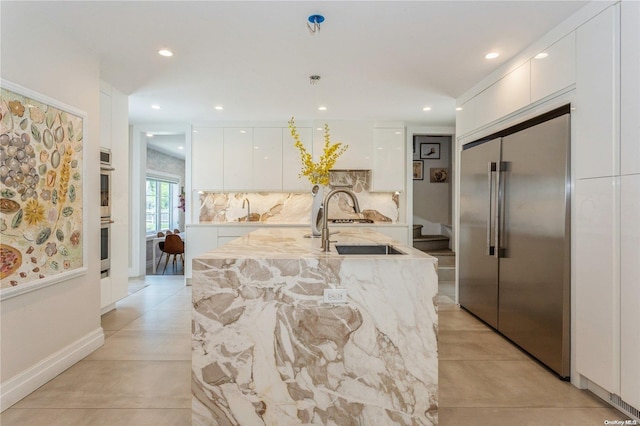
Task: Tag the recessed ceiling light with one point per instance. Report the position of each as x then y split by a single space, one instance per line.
459 109
398 133
541 55
180 147
149 135
218 107
427 108
155 106
319 129
165 52
491 55
322 108
243 131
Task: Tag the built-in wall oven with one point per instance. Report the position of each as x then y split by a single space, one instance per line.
105 210
105 182
105 244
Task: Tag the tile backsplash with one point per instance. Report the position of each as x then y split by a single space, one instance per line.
295 208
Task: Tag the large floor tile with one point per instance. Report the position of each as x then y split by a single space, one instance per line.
120 317
528 416
459 319
507 384
145 345
181 301
96 417
167 320
476 345
116 384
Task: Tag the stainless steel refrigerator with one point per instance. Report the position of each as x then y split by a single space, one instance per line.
514 252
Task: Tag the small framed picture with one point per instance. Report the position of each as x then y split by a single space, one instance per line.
439 175
418 170
430 151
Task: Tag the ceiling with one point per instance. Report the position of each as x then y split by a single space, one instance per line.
378 60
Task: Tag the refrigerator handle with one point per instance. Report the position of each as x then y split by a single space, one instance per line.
492 168
500 232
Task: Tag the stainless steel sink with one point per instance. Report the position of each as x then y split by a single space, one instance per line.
367 249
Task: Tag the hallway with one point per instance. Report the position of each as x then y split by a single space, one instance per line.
141 376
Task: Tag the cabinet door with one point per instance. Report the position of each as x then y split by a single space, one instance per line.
597 315
630 87
630 288
388 160
555 71
267 159
207 159
597 84
291 162
238 159
200 239
507 95
359 137
466 119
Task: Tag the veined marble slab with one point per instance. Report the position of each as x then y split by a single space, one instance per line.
268 351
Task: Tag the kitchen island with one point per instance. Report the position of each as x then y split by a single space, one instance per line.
268 350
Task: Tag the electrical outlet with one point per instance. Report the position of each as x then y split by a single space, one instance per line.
335 295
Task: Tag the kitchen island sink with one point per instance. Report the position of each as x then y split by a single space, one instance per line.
367 249
284 333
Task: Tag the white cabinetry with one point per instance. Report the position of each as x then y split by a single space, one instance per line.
267 159
596 99
556 70
630 289
597 299
630 87
357 134
114 134
207 150
388 160
238 156
291 164
200 239
509 94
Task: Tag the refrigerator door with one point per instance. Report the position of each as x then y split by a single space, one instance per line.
478 264
534 282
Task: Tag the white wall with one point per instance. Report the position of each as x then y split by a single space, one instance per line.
47 330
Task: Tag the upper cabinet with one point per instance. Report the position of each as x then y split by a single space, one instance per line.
267 159
207 152
357 134
554 68
237 159
630 87
506 96
292 165
388 160
596 101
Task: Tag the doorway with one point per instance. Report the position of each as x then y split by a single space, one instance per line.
432 206
160 154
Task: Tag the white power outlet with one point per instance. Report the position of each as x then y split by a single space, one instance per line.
335 295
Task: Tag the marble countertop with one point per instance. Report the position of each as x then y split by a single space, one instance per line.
288 242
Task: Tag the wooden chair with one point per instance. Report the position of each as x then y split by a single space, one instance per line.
173 246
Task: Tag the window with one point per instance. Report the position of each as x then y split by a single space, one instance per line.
161 204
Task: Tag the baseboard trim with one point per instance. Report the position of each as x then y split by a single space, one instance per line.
22 384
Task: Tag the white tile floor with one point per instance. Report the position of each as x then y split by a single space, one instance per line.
141 376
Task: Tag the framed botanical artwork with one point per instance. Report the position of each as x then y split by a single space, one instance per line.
439 175
42 194
418 170
430 151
